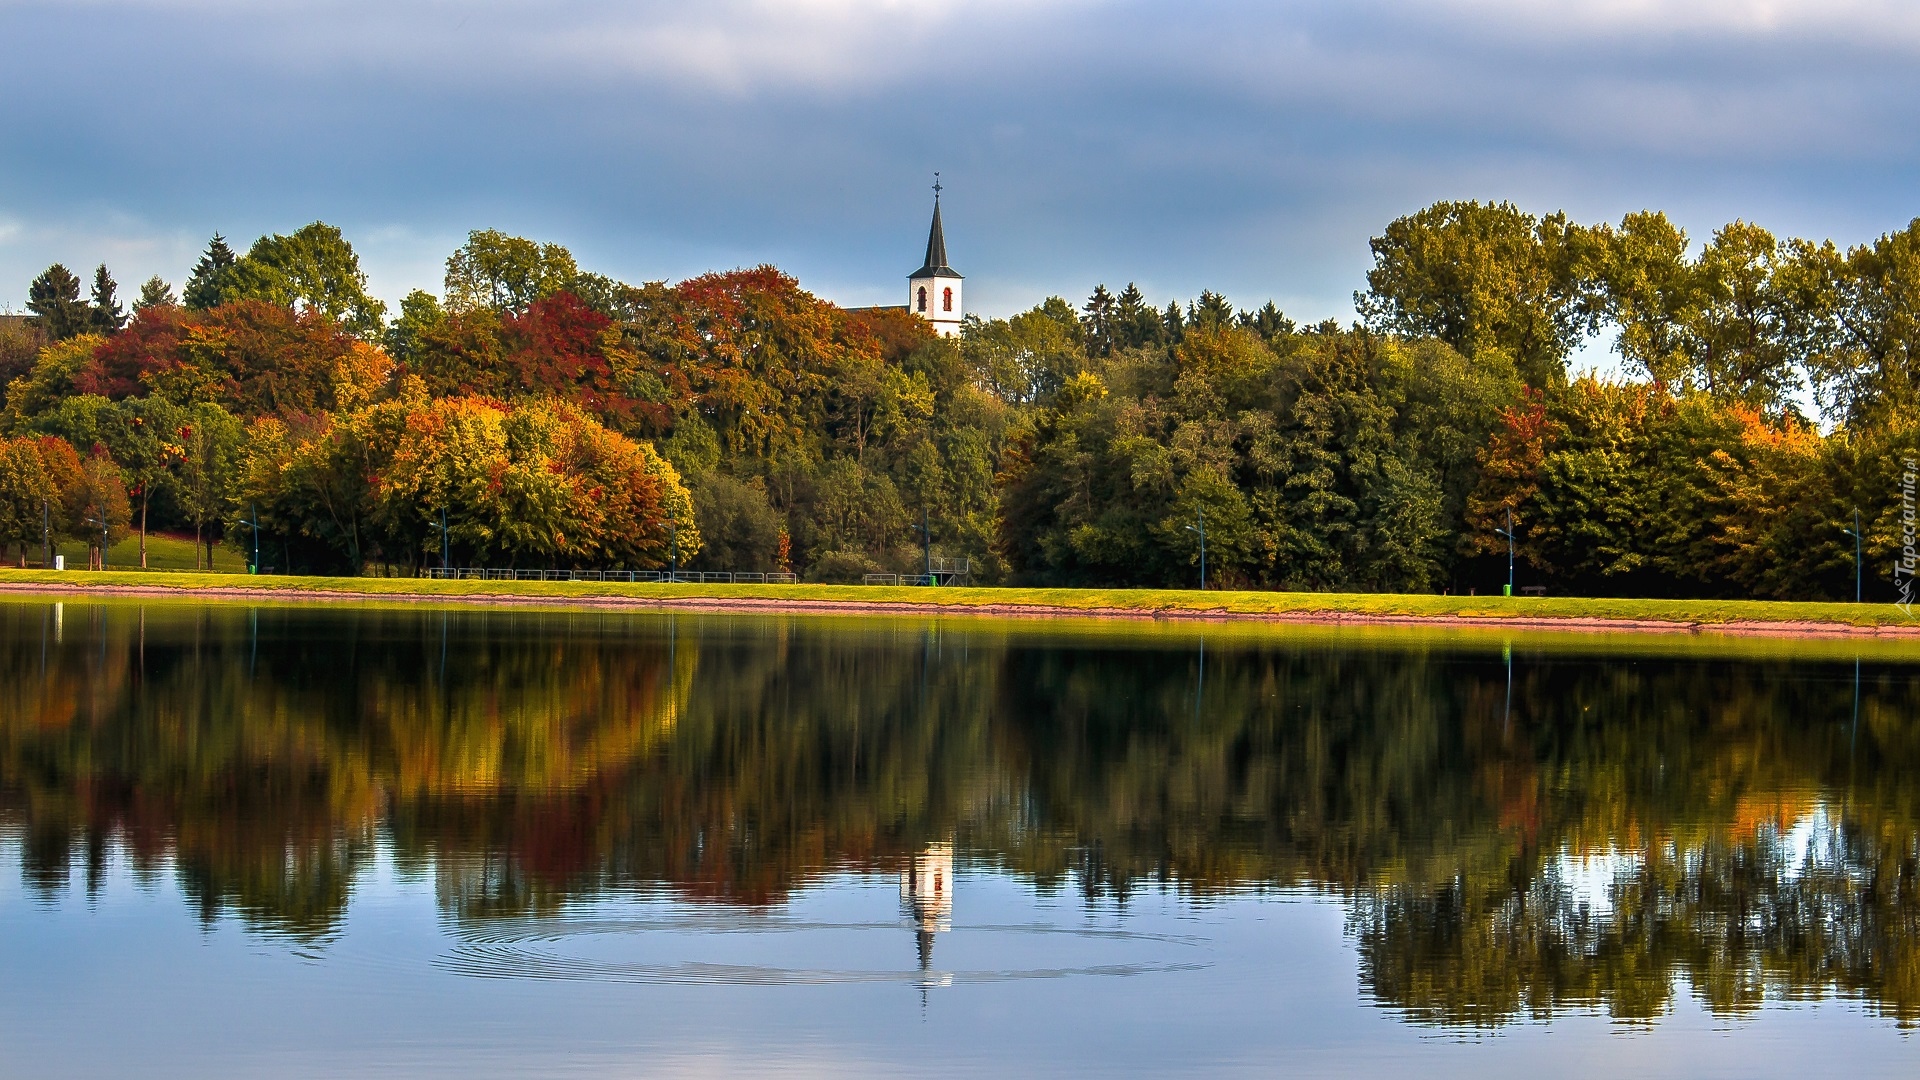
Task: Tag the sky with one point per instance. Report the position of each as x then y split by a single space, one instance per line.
1250 148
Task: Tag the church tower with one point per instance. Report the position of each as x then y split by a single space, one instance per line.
933 291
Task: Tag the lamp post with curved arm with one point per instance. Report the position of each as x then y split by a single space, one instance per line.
1202 533
1508 533
1855 533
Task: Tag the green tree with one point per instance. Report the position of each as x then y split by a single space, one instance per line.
739 528
1865 363
50 382
1486 276
212 444
55 297
28 493
421 319
1028 357
155 293
1099 317
506 274
106 316
1136 322
144 437
210 282
1742 331
313 270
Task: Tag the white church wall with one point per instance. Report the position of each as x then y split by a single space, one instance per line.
945 322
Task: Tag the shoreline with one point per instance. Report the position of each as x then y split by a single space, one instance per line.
1301 609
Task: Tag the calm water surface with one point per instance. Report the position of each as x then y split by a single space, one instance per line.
317 842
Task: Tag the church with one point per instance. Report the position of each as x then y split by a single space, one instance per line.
933 291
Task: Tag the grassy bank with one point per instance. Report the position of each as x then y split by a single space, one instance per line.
1145 602
165 551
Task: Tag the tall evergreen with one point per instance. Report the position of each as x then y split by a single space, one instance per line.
1136 323
155 293
1099 322
1268 322
55 297
107 316
207 285
1175 324
1210 312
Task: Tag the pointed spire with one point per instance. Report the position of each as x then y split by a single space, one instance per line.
936 262
937 241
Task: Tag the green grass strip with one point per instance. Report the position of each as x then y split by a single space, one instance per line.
1146 602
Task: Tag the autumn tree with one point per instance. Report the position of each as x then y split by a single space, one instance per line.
34 475
97 507
20 343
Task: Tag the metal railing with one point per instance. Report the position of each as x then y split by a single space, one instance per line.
943 572
900 579
631 577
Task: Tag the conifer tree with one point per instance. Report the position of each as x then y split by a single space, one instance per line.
155 293
1135 321
55 297
207 285
1210 312
107 316
1099 322
1268 322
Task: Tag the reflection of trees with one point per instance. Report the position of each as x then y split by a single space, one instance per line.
258 750
1623 826
1738 919
796 753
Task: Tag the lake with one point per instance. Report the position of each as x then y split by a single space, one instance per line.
316 841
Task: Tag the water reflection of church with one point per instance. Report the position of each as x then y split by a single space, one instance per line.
926 897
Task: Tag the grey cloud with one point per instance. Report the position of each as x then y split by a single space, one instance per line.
1241 146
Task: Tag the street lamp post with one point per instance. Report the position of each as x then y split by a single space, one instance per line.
673 549
1855 533
102 522
926 544
1202 533
1508 533
446 549
253 522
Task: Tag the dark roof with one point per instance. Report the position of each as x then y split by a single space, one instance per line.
936 264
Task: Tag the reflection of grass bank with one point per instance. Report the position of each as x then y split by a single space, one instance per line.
1571 612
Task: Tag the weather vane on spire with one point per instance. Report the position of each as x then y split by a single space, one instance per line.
936 186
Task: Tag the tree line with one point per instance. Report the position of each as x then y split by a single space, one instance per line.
1767 393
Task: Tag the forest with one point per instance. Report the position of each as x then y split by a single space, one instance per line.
539 415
